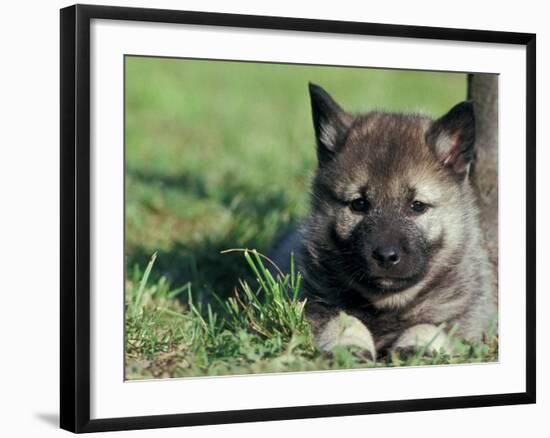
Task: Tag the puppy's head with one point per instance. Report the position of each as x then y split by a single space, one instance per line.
391 193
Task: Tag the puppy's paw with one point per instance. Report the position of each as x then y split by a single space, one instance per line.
347 331
420 337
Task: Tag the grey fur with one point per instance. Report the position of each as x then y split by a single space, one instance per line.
390 159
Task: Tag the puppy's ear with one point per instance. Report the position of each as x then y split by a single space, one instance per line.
331 123
453 137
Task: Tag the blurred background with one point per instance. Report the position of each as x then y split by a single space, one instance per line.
219 155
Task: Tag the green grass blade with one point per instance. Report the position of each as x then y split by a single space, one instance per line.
141 289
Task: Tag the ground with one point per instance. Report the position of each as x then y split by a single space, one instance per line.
219 156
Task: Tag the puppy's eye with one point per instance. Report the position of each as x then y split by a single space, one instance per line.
418 207
360 205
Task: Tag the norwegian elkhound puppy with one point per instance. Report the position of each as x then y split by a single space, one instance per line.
393 238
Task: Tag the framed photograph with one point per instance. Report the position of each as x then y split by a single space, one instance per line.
268 218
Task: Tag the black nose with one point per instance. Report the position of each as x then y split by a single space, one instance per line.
386 256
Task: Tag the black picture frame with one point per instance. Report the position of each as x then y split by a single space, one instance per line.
75 217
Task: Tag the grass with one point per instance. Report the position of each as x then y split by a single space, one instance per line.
219 155
259 330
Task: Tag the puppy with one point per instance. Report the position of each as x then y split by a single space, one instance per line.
392 252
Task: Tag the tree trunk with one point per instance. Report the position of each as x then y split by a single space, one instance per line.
483 91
